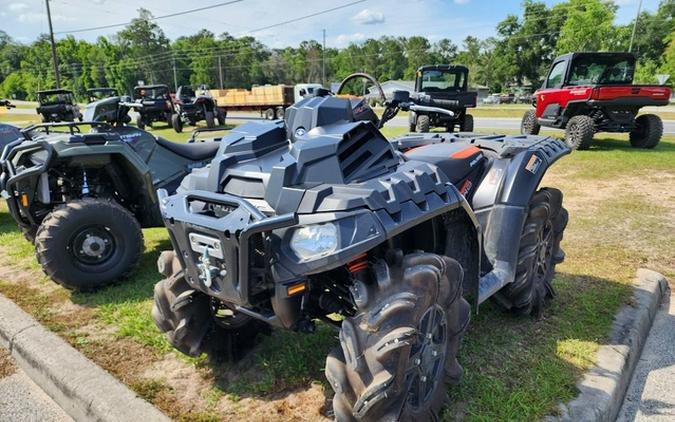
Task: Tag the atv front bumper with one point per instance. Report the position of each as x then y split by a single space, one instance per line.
18 184
241 253
218 252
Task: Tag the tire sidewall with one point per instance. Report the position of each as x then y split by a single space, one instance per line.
579 132
54 242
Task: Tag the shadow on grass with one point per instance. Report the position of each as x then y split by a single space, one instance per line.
611 144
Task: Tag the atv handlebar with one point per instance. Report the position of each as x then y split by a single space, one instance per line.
131 104
427 109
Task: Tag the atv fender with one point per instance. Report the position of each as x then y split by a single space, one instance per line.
501 204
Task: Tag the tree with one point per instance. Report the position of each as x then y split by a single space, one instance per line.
144 47
588 26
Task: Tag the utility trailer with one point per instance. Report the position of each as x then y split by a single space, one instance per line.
270 100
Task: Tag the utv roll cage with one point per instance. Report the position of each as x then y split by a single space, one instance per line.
65 96
104 92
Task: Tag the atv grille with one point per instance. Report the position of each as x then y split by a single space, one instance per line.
364 153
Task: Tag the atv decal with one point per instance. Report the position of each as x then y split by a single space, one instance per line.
533 165
466 187
475 160
128 137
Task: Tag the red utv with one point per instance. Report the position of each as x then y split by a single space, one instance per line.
586 93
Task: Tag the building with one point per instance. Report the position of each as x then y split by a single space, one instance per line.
390 86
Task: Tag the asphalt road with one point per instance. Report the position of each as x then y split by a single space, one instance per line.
481 123
651 393
21 400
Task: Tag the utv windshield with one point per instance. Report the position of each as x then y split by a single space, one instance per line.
437 80
187 92
152 93
51 99
592 70
101 94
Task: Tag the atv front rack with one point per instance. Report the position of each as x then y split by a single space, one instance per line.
215 248
73 127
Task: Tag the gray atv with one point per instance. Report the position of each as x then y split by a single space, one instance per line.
83 198
321 216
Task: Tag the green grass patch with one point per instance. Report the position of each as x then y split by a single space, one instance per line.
16 117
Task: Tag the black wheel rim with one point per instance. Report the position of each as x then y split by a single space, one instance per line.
544 252
92 245
427 357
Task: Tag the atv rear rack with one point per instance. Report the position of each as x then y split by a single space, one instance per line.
216 249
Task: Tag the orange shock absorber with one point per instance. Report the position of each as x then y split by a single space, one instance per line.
358 264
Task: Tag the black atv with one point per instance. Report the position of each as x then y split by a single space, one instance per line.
96 94
58 105
321 215
84 197
443 86
193 104
157 105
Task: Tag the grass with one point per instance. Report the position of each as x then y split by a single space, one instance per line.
516 369
18 117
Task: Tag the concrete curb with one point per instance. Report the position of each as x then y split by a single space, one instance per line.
602 389
84 390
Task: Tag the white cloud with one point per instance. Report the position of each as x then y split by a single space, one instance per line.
369 17
345 39
36 17
461 1
17 7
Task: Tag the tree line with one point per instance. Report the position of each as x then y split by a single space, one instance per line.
519 54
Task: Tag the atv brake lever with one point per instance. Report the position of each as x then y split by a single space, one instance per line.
428 109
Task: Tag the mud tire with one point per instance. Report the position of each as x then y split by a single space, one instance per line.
648 131
539 252
185 315
374 371
579 132
530 125
423 124
467 124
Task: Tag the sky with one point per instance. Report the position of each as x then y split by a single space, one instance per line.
24 20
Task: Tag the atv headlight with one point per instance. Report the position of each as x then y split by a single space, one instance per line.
39 157
315 240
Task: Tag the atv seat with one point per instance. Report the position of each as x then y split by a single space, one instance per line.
456 160
195 151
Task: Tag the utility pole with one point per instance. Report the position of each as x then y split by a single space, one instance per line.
220 70
175 79
51 37
323 60
632 37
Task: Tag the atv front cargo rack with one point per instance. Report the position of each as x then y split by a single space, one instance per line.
216 248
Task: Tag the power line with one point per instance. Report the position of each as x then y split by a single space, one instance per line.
311 15
170 55
170 15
